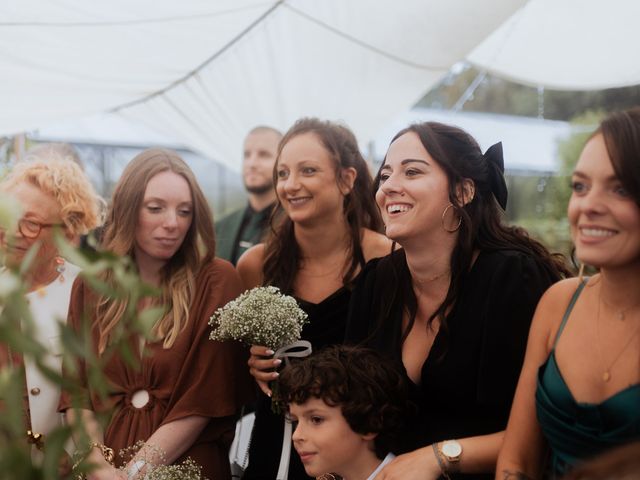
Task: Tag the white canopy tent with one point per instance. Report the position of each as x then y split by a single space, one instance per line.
566 45
204 72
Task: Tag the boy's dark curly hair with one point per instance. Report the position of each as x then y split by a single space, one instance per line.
370 392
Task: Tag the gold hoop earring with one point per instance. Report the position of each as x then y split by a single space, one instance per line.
457 227
327 476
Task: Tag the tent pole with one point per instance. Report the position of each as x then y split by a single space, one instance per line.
370 158
468 93
541 102
19 142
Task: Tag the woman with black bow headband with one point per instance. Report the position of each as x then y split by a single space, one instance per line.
452 308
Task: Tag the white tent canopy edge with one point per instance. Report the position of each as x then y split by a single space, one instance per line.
566 45
204 73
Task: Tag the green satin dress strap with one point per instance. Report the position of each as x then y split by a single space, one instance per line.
577 431
565 317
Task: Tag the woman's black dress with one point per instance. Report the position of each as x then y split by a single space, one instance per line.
469 377
327 321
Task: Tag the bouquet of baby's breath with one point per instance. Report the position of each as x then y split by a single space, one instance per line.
261 316
151 465
187 470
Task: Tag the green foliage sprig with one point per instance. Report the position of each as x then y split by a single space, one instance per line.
16 331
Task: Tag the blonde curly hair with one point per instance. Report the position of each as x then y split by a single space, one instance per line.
81 208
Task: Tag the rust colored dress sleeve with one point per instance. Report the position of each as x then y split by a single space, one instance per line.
214 380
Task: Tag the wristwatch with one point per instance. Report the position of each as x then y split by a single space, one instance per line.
451 450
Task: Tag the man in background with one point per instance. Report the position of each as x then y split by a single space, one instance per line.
240 230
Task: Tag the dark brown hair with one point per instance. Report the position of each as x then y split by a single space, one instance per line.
621 132
282 256
481 227
371 393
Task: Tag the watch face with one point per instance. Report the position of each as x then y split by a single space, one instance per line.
451 449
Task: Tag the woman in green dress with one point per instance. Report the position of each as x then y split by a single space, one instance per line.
579 389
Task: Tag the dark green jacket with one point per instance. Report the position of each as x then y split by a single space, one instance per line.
232 240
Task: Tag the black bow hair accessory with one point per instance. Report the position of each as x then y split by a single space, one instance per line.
498 185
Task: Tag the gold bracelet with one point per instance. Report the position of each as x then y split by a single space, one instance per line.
107 453
441 461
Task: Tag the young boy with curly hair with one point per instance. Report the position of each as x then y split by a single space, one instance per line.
350 407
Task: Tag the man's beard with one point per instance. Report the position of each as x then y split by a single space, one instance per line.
259 189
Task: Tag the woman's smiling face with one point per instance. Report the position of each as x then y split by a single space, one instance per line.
413 191
307 184
604 218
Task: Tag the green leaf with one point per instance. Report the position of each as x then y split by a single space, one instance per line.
54 451
147 319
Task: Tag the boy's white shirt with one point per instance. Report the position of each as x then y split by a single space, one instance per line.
390 456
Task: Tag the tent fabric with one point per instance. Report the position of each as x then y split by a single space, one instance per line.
205 72
566 45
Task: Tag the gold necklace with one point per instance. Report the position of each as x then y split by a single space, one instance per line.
336 268
606 375
434 278
620 314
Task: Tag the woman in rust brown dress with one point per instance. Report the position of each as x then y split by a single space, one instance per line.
183 399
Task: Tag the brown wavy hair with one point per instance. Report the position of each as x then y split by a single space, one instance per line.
177 281
482 226
370 391
282 255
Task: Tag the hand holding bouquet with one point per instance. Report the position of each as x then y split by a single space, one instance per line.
143 461
148 462
263 316
187 470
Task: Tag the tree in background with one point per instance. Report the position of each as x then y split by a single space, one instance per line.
497 95
547 220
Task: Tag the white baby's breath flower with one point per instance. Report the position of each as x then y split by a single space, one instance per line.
187 470
153 460
261 316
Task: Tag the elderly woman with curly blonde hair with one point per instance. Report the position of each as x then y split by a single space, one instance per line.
55 196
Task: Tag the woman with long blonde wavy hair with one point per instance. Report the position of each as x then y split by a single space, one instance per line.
159 217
